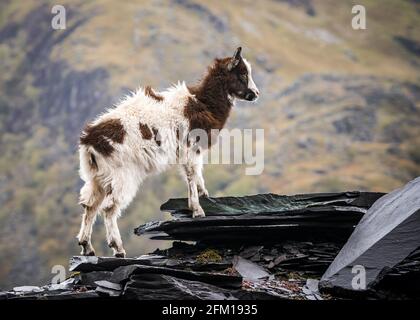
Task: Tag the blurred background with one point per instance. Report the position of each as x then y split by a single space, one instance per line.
340 107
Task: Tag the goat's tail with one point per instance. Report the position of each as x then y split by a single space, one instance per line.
88 163
90 192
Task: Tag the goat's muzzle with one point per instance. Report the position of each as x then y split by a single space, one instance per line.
251 95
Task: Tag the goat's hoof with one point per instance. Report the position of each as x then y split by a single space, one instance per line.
119 255
203 193
199 213
87 253
87 249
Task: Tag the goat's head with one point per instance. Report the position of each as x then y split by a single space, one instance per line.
240 84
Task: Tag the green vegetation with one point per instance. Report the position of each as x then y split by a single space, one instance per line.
209 255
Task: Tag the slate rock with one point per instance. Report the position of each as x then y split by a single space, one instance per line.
311 290
249 252
387 235
314 225
67 284
90 278
122 274
271 287
248 270
4 295
27 289
265 217
67 295
108 288
156 286
403 279
273 203
93 263
277 260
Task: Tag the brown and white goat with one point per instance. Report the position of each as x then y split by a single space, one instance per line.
145 134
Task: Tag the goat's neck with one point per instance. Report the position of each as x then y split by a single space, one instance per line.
213 93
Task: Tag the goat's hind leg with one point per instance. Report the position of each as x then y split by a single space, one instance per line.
91 197
84 236
119 193
113 236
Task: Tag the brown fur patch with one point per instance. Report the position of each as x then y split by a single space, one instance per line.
145 131
151 93
200 117
97 136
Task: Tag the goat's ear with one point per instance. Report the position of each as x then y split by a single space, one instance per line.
235 59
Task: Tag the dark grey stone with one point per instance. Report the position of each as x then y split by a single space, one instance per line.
108 288
90 278
387 234
273 203
92 263
122 274
264 218
164 287
248 270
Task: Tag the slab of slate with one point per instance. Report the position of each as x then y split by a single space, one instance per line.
272 203
387 234
403 279
92 263
108 288
65 295
89 264
66 285
90 278
248 270
27 289
155 286
122 274
314 225
69 295
264 217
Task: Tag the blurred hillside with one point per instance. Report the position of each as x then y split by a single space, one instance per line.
340 108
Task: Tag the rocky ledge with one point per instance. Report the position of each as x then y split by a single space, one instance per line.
263 246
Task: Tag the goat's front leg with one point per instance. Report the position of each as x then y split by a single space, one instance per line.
201 188
191 175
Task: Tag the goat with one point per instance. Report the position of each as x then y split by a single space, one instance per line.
145 133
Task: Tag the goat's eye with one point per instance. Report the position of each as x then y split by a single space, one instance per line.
243 78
